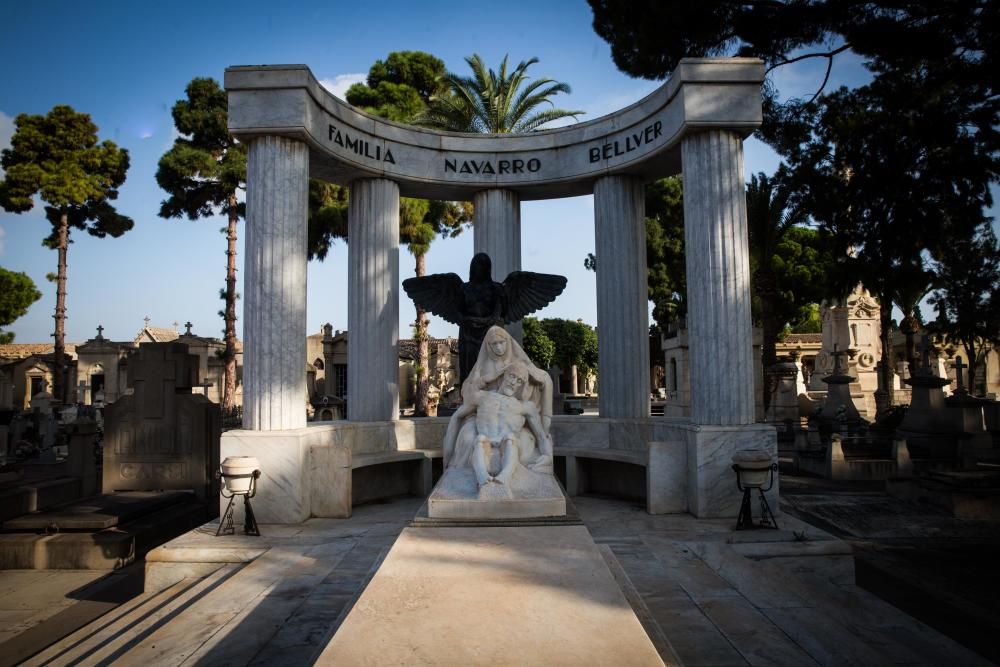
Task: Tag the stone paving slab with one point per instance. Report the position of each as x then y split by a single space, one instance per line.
492 596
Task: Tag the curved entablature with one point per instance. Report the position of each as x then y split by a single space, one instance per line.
642 140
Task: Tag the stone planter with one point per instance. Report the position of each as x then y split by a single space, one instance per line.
753 467
237 471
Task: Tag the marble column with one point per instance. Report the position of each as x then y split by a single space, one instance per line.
622 303
274 285
718 279
497 232
373 301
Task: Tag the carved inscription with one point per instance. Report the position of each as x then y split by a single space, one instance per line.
174 472
360 146
631 142
515 166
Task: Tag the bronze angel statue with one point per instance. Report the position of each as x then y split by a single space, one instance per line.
477 305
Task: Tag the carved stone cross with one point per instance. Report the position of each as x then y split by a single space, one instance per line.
959 367
837 355
100 332
187 328
925 354
81 391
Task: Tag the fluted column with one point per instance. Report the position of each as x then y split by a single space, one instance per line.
373 301
718 279
497 232
622 302
274 285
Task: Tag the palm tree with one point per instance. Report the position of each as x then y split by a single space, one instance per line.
494 103
769 217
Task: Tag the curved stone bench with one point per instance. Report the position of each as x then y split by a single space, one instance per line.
630 475
378 475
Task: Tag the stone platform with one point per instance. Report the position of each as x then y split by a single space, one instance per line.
703 593
498 596
531 494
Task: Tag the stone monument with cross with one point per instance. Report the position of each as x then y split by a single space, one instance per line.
162 436
927 422
839 411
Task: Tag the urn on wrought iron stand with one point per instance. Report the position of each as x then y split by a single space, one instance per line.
754 468
240 474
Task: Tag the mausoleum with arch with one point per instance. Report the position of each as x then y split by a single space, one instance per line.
694 124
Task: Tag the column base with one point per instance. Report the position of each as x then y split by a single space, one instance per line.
712 491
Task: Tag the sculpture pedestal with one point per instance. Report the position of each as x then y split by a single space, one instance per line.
457 496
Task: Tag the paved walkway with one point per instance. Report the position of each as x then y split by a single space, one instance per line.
705 595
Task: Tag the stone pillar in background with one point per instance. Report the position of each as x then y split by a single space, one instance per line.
497 232
622 303
718 279
274 285
373 301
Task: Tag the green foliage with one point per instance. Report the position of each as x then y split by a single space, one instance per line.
575 344
327 217
665 261
205 167
17 293
967 294
810 320
537 343
648 38
399 87
666 276
895 169
58 158
789 265
491 102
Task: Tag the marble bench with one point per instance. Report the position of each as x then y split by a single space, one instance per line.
624 473
379 475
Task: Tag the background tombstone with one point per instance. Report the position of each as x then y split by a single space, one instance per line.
162 436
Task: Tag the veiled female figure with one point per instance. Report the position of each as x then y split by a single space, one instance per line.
499 350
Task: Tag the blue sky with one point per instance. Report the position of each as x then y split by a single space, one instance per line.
126 63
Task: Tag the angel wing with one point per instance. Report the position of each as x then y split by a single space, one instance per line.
438 293
525 292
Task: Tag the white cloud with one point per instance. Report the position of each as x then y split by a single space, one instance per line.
6 132
339 84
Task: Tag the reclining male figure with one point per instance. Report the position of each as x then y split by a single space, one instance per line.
500 419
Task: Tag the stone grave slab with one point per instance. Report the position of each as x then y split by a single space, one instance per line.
492 596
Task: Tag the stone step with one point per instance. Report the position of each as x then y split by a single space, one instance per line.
98 513
107 549
32 496
66 610
834 622
112 636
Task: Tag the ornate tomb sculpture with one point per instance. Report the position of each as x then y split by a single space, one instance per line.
481 302
498 447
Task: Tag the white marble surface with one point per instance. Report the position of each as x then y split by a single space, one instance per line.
642 138
497 232
718 279
711 480
457 496
307 471
492 596
666 477
373 301
622 302
274 285
283 490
